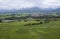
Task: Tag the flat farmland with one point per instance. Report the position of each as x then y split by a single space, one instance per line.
17 30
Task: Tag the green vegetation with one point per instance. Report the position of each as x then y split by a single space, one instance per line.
17 30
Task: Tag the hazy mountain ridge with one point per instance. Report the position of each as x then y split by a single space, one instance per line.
30 10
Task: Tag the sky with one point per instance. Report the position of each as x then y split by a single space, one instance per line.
17 4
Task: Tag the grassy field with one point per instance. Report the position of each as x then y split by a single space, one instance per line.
17 30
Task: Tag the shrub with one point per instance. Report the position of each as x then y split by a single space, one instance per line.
41 22
25 20
0 20
27 24
46 21
37 20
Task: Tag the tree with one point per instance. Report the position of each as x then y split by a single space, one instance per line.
46 21
0 20
13 16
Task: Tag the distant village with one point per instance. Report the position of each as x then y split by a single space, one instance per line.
13 17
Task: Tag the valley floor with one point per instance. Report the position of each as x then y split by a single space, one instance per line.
17 30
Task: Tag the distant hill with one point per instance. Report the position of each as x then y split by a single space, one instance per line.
30 10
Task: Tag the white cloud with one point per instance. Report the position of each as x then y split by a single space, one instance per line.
10 4
50 4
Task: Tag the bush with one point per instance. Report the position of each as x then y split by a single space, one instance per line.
46 21
0 20
41 22
25 20
37 20
27 24
19 20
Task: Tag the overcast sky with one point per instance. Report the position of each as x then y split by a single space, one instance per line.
17 4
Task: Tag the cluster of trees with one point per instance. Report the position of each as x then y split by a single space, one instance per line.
45 21
13 17
29 24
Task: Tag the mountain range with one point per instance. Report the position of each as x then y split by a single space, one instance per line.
31 10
